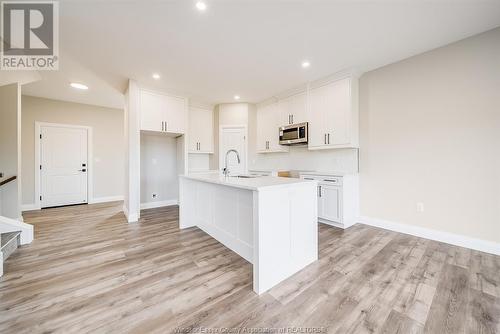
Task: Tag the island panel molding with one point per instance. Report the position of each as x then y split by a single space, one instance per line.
270 222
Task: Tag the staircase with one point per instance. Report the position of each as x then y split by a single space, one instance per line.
13 232
8 244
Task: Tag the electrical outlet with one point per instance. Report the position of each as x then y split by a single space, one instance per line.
420 207
154 195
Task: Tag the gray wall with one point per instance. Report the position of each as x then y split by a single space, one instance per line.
430 133
108 142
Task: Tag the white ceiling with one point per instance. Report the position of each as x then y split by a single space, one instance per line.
250 48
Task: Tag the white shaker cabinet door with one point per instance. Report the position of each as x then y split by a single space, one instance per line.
175 114
317 110
330 203
338 115
152 111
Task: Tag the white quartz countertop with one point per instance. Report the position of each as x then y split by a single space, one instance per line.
256 183
319 173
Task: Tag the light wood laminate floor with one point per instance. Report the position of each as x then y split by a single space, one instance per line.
88 271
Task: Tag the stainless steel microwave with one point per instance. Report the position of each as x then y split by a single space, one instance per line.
294 134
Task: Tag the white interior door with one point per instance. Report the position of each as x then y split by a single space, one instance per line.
64 166
233 138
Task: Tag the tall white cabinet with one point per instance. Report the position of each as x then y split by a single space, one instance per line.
201 130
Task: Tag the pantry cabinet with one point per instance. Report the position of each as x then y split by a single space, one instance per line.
162 113
333 115
268 123
201 130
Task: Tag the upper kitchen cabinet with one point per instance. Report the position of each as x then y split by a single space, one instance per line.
163 113
293 109
201 132
333 115
268 122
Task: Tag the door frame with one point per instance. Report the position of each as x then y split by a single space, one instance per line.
245 131
90 159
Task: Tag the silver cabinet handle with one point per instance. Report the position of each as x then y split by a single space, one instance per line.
319 191
325 138
162 126
292 119
165 126
328 138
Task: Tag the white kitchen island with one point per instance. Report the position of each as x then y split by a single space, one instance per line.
269 221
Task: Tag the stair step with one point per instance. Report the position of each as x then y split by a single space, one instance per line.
9 243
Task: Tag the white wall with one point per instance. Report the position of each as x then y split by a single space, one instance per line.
430 133
108 142
132 198
10 141
158 169
199 162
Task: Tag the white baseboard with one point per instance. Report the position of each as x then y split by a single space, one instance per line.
446 237
151 205
130 218
30 207
96 200
33 206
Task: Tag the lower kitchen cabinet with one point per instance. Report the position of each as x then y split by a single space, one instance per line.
337 198
329 202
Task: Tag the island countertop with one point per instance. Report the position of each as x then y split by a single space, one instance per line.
254 183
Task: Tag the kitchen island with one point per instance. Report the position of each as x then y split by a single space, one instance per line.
269 221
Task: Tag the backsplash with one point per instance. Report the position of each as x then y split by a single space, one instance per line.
300 158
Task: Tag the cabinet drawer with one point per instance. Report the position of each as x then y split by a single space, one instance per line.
331 181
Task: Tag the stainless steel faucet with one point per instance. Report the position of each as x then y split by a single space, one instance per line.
225 171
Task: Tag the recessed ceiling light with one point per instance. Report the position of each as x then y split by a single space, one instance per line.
156 76
78 85
201 6
236 97
306 64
